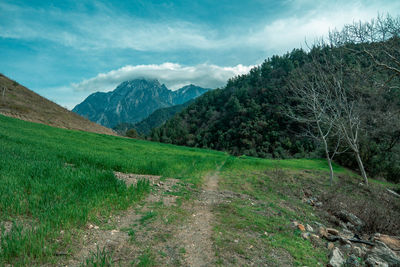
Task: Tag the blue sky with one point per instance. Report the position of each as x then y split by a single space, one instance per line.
65 50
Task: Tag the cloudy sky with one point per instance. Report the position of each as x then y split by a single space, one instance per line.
67 49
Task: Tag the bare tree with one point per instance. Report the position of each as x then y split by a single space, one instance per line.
326 89
311 88
379 39
348 122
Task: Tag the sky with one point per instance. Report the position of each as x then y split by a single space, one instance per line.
67 49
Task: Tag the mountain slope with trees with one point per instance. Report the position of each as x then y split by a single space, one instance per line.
253 114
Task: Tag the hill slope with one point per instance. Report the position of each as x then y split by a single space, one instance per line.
78 198
249 116
133 101
20 102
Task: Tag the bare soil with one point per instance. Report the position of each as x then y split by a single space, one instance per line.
196 235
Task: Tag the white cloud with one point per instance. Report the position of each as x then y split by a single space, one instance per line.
173 75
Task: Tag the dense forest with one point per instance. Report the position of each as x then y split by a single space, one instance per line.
257 114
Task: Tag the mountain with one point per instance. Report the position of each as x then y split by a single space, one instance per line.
133 101
19 102
156 119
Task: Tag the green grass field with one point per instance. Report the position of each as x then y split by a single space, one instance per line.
54 181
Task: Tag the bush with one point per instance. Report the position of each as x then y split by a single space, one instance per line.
374 206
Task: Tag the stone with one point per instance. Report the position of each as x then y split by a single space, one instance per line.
382 254
330 245
358 251
294 224
352 261
392 242
350 217
309 228
346 234
336 258
375 262
301 227
322 232
305 236
343 225
347 247
344 241
332 231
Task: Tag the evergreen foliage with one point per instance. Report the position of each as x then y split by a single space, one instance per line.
249 115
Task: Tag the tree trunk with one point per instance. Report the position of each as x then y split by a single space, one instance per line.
328 158
361 166
330 170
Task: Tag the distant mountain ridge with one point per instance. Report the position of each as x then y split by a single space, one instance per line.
155 119
133 101
19 102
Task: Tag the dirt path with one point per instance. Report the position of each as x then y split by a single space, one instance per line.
196 235
186 242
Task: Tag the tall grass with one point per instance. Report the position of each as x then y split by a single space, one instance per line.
53 179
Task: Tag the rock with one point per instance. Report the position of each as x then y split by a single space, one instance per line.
309 228
350 217
344 241
358 251
322 232
332 231
96 227
392 242
294 224
301 227
343 225
350 225
347 247
381 254
346 234
336 258
305 236
375 262
352 261
330 246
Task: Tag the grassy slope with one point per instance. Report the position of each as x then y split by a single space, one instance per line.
54 179
59 179
20 102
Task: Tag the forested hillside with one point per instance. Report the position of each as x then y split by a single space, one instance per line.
253 114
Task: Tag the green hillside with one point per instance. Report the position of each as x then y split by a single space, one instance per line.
55 184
